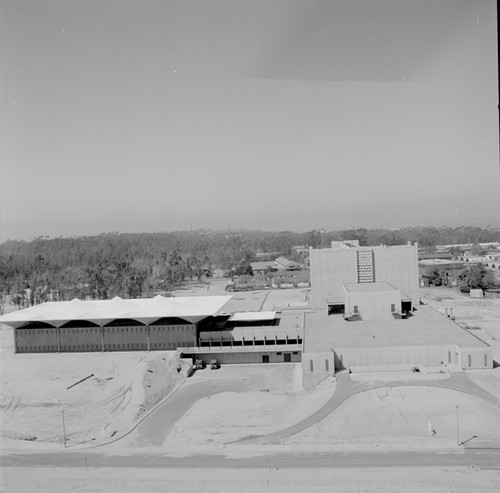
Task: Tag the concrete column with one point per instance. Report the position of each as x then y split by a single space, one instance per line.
58 337
15 339
102 338
148 342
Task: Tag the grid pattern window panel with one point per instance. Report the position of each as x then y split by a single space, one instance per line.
365 266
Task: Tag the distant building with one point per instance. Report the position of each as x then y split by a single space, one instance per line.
262 267
435 255
282 263
301 249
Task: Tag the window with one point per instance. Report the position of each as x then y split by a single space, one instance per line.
311 366
355 309
393 308
485 360
327 365
449 356
469 360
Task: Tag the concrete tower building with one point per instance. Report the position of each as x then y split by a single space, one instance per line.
375 282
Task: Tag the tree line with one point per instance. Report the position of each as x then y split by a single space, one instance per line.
142 264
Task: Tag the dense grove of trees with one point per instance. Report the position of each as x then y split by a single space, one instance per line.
476 276
133 265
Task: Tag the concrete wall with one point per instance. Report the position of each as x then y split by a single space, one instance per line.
172 336
403 357
36 340
115 338
330 268
406 357
398 265
80 339
316 367
128 338
475 358
248 357
374 306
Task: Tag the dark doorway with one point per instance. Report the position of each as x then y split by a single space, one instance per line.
265 358
287 357
335 308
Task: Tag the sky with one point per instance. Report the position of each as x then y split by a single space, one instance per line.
163 115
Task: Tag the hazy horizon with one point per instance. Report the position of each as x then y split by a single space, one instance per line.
285 115
230 229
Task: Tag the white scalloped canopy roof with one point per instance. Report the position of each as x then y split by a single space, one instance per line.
144 310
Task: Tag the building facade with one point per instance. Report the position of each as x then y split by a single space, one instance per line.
348 264
366 315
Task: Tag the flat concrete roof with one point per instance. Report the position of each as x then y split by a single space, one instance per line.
252 316
426 327
291 320
248 301
369 287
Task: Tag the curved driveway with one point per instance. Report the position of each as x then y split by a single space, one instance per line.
154 429
347 388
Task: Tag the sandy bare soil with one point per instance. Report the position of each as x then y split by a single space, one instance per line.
117 389
230 416
401 418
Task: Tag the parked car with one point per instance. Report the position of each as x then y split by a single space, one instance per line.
199 364
214 364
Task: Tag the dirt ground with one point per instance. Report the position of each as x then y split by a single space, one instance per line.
40 392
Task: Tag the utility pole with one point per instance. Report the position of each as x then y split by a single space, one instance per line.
64 427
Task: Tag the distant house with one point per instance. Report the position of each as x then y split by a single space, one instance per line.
471 258
301 249
345 244
266 256
262 267
282 263
493 255
435 255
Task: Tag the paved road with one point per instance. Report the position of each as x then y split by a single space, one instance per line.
488 459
